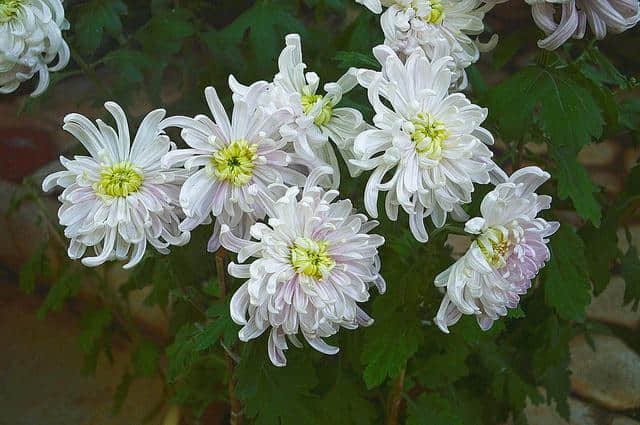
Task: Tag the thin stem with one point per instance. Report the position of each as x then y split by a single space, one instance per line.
395 398
236 407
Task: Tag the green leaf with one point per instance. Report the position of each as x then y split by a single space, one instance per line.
96 17
630 114
145 358
164 33
36 265
130 64
433 409
566 285
573 181
630 272
181 354
67 286
551 361
388 347
347 60
93 336
266 23
122 390
219 325
345 404
272 395
600 261
567 113
516 313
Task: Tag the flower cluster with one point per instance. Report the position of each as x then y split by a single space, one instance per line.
267 174
30 41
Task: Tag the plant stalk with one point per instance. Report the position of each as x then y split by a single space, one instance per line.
395 398
234 403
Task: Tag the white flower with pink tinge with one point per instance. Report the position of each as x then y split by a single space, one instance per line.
226 158
509 250
615 16
119 199
315 261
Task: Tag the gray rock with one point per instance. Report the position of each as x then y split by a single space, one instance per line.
623 420
610 375
580 414
608 306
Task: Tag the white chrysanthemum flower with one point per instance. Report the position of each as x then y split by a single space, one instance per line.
230 156
30 40
615 15
118 199
315 118
411 24
509 250
315 261
430 140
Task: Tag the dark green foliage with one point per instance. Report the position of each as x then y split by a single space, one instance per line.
566 283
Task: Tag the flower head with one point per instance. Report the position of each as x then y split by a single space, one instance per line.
118 199
314 262
439 27
227 157
315 118
508 251
429 139
30 40
601 15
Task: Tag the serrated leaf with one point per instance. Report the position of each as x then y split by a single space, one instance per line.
265 23
387 347
36 265
272 395
131 64
96 17
433 409
573 181
93 337
566 285
345 404
67 286
347 60
164 33
567 113
181 354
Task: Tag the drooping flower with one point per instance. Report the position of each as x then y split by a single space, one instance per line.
230 156
118 199
430 140
601 15
315 261
315 118
30 41
508 251
428 24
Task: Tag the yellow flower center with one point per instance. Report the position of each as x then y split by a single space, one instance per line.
9 9
311 258
308 102
235 163
437 12
119 180
428 136
495 245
